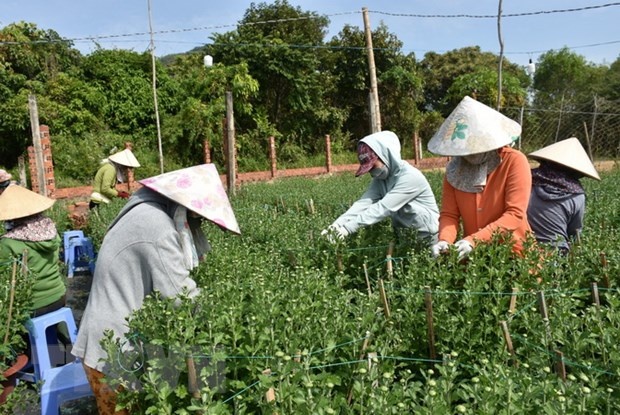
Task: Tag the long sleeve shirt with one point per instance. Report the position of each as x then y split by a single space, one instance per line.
105 182
501 206
405 196
141 253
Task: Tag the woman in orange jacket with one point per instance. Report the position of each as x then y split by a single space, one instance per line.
487 183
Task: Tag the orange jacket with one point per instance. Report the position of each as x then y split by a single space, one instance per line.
502 205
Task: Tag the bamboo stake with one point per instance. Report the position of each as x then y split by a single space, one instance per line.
508 340
362 353
513 301
428 301
542 307
311 206
367 280
384 299
11 296
595 297
560 368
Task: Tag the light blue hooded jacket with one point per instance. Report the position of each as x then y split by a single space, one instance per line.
405 196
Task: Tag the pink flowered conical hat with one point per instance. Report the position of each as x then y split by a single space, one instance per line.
199 189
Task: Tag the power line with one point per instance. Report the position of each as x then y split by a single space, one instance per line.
101 38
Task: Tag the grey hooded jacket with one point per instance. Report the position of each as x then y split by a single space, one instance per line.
405 196
141 253
556 217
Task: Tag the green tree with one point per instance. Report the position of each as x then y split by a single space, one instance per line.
399 85
278 42
482 85
441 70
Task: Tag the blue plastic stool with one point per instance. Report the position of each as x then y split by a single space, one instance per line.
79 252
61 383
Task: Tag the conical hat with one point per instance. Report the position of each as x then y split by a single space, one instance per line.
199 189
125 158
473 128
569 153
18 202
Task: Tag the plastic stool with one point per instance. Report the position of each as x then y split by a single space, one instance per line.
67 237
79 252
62 383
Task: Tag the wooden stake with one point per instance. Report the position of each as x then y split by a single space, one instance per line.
384 300
513 301
270 395
388 258
508 341
595 297
560 369
428 301
606 283
367 280
192 379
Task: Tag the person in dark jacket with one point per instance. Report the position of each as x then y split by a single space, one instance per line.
557 202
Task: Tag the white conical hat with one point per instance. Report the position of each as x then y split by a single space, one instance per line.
569 153
125 158
18 202
473 128
199 189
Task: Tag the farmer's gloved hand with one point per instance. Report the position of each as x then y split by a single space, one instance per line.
463 247
334 233
439 248
123 194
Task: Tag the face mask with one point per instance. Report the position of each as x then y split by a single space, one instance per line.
8 225
476 159
380 173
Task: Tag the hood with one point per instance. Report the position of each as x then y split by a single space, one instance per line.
146 195
387 146
551 194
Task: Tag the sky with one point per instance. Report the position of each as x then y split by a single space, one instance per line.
422 25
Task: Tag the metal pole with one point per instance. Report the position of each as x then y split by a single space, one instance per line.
230 138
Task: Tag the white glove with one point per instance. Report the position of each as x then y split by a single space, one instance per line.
463 247
334 233
439 247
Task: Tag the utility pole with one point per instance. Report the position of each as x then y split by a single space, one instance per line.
375 112
152 47
36 141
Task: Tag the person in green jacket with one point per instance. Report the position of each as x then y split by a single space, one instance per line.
26 228
112 170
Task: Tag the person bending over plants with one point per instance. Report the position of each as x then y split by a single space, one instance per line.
487 183
397 190
112 170
557 203
151 246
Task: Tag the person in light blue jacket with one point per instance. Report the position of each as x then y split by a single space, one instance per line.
397 190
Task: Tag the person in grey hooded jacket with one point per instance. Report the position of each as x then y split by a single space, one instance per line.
151 246
397 190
